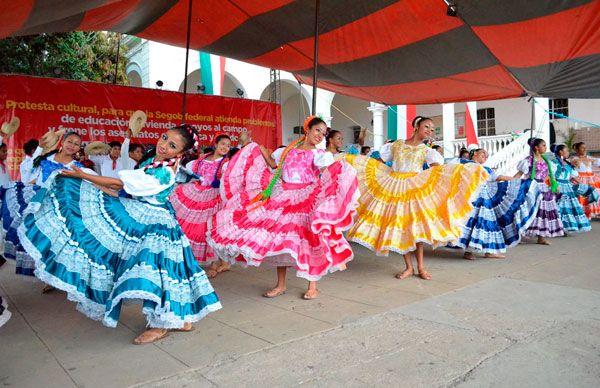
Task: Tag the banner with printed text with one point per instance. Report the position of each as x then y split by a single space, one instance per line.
101 112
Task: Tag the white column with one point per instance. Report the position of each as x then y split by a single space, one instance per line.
378 135
448 129
541 120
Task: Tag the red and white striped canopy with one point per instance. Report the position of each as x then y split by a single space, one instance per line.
394 52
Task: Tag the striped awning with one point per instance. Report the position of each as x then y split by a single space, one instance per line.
393 52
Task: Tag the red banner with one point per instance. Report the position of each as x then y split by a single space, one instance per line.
101 112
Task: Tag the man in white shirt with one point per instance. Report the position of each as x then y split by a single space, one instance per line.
116 160
131 154
26 166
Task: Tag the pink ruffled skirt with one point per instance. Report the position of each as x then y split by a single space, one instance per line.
194 205
300 225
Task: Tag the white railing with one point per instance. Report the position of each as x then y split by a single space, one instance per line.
505 161
492 144
505 151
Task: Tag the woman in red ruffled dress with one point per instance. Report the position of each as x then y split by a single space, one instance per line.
197 201
291 218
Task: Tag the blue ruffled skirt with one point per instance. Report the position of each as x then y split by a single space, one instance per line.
571 211
502 212
102 249
16 199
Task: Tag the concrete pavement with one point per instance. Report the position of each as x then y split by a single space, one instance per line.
531 320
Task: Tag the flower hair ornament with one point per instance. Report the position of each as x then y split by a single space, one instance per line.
417 120
308 120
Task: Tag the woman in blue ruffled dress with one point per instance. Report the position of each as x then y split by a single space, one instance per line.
102 249
503 210
20 194
571 211
537 167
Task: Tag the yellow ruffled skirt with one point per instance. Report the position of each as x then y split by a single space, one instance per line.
398 210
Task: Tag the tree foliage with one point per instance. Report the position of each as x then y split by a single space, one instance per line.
85 56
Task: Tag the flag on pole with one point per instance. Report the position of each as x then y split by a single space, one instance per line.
471 123
212 71
400 118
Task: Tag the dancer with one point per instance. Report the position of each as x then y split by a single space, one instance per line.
547 222
19 196
122 248
7 129
503 211
403 207
197 201
297 220
571 212
584 165
334 141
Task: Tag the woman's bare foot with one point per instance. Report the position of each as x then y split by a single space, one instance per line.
211 273
424 274
223 267
469 256
543 241
48 288
311 294
275 292
150 336
494 256
187 327
404 274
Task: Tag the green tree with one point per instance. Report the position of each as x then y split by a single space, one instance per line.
85 56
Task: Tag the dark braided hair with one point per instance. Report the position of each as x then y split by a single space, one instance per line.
534 143
330 134
556 149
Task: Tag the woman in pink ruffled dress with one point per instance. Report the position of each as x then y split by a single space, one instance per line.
291 218
197 201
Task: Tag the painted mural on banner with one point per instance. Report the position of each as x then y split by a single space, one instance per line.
101 112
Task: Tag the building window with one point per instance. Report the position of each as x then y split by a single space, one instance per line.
355 133
298 130
558 105
486 122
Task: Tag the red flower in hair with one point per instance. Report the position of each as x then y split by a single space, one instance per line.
308 120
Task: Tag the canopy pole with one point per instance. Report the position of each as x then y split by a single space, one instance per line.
315 58
532 116
117 60
187 55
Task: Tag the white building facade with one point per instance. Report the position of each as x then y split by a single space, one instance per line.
152 64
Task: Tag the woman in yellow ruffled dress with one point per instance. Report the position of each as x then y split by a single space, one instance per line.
404 206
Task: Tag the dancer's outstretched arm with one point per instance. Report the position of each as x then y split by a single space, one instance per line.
76 172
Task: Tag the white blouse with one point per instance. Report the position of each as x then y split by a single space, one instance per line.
139 184
586 167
